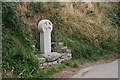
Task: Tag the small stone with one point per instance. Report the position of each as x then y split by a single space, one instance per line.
49 64
58 61
61 60
68 58
52 57
64 56
44 64
41 67
41 60
63 49
33 46
60 44
68 50
49 59
53 44
54 62
69 55
35 56
41 64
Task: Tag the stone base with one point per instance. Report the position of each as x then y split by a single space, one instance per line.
62 54
53 59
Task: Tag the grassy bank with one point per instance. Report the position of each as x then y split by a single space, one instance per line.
88 36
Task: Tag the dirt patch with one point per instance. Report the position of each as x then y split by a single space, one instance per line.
68 72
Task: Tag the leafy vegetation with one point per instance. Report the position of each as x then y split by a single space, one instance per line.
89 50
114 15
90 13
29 14
9 14
17 49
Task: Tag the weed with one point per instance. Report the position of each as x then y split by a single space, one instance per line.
29 14
37 7
90 13
41 74
9 14
71 63
16 51
52 70
114 15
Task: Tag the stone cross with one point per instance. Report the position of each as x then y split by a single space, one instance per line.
45 27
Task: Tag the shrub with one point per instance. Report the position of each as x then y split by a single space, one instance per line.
71 63
9 14
90 13
107 44
114 14
52 70
29 14
37 7
83 48
16 51
41 74
20 58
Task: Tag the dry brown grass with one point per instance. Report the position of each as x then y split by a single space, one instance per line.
75 16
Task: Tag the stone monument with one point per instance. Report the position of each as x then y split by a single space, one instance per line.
45 27
50 58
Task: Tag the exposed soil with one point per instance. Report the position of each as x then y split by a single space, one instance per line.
68 72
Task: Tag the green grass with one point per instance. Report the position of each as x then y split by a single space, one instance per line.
18 56
50 71
83 48
17 49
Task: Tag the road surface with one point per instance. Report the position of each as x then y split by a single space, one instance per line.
109 70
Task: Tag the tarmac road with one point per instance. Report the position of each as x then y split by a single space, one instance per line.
108 70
